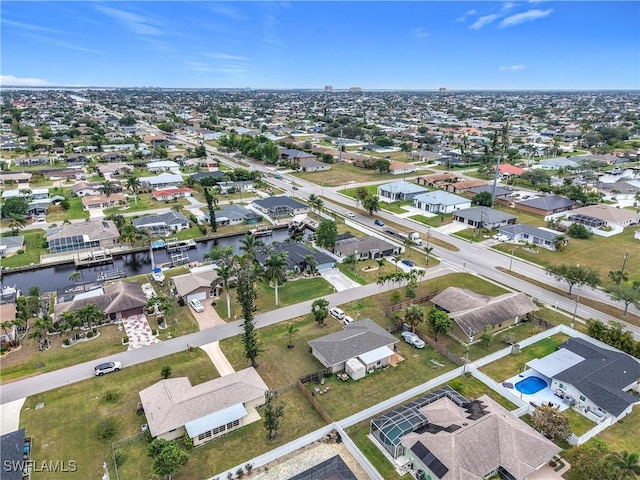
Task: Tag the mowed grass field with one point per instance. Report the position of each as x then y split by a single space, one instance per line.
343 175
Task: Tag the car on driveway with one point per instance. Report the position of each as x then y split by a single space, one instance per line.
108 367
500 237
413 339
379 222
346 320
408 263
337 313
350 214
196 305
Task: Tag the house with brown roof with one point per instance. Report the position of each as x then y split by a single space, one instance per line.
437 180
598 216
401 168
463 186
198 284
204 411
472 313
103 201
8 315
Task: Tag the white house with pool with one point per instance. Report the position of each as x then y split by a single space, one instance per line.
595 380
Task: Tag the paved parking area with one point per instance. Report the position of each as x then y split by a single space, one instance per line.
209 318
339 280
139 332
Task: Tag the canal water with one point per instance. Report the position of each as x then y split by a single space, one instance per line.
54 278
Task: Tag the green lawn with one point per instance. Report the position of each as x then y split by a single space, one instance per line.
351 192
342 175
395 207
475 235
623 435
435 221
32 250
600 253
511 365
290 293
472 388
65 428
579 423
76 211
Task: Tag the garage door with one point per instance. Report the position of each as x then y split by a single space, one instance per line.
198 296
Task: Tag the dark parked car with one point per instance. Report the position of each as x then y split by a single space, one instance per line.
408 263
379 222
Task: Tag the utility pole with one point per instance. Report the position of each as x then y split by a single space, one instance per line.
624 261
340 149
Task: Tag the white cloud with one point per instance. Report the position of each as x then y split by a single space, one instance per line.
12 80
512 68
525 17
484 21
227 12
133 22
420 32
28 26
508 6
226 56
468 13
471 12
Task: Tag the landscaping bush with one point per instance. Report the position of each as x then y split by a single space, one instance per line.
90 334
111 396
66 341
20 251
107 428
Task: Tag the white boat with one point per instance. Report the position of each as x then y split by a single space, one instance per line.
158 275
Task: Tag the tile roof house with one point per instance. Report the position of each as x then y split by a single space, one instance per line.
547 205
543 237
197 284
401 168
437 179
440 201
506 169
277 207
597 378
162 180
297 256
162 223
82 236
399 191
204 411
484 217
457 445
355 340
170 193
604 215
118 300
472 312
103 201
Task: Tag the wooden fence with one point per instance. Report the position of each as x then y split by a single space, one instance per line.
314 403
405 304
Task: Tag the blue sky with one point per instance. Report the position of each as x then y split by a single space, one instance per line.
373 45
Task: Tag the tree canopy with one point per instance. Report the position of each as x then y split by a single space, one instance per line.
574 275
15 206
326 234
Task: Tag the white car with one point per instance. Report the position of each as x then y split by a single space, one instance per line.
108 367
346 320
413 339
500 237
350 214
196 305
337 313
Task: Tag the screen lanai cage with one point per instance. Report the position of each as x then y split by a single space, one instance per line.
388 429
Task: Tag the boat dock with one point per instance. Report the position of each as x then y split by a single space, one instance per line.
178 259
93 258
262 231
175 244
111 275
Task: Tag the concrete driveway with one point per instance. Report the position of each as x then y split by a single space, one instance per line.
209 318
339 280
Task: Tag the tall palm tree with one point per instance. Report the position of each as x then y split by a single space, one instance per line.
396 259
75 276
427 251
413 315
130 234
312 199
275 269
311 263
249 244
318 203
627 464
107 189
224 271
90 314
16 222
408 243
133 184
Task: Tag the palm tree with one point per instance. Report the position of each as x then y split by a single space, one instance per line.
133 183
107 189
560 242
427 251
249 244
618 276
90 314
291 329
130 234
396 259
275 269
311 263
224 272
6 326
16 222
75 276
312 199
318 203
408 243
627 464
413 315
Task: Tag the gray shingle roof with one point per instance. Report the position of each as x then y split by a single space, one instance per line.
271 202
516 228
548 203
168 218
484 214
356 338
11 445
602 375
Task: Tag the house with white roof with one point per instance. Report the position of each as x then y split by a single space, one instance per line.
399 191
205 411
162 166
440 201
164 180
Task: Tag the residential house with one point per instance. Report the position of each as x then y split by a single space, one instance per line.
278 207
235 215
507 170
19 178
458 439
103 201
155 140
464 185
198 284
472 312
547 205
118 300
164 180
86 189
439 201
205 411
311 165
364 338
600 216
484 217
7 316
437 180
16 456
82 236
117 168
498 193
399 191
595 377
162 223
295 156
540 236
401 168
166 194
163 166
11 245
555 164
297 257
365 248
208 178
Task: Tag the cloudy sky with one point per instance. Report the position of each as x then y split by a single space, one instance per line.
296 44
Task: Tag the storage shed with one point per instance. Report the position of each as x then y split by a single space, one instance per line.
355 369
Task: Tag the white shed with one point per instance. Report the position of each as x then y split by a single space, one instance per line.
355 369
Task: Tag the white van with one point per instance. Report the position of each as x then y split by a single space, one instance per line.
337 313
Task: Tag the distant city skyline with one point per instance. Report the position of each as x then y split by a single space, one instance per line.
534 45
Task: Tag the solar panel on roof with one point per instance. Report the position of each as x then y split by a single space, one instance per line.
429 459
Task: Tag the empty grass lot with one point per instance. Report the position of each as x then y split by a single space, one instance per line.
341 175
65 428
511 365
435 221
32 249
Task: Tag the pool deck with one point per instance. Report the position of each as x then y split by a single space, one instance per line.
544 395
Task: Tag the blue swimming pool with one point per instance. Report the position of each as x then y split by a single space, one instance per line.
531 385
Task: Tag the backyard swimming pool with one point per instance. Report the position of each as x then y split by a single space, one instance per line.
531 385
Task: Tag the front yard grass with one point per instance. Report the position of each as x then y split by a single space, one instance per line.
343 175
435 221
473 235
623 435
65 428
32 249
511 365
289 293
